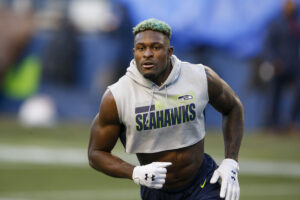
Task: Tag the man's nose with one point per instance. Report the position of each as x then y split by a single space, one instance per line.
148 53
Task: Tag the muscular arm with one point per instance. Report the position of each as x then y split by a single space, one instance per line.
105 131
224 100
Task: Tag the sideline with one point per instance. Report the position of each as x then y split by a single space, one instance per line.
78 157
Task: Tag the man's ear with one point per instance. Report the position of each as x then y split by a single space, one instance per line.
133 50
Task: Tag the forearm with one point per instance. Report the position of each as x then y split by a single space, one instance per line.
233 128
110 164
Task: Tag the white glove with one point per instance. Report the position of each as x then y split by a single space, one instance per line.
228 171
152 175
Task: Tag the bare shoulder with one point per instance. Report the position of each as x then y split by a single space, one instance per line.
221 95
212 76
108 112
105 127
215 83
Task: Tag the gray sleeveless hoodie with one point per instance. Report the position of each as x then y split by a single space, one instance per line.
166 117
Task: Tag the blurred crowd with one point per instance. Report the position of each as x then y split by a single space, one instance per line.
278 70
58 56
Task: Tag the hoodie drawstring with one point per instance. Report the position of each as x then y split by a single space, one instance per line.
152 95
166 95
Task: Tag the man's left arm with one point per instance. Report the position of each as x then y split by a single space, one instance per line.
224 100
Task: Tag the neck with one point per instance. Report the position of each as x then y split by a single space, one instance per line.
164 75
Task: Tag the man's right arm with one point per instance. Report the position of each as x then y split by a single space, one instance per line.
105 131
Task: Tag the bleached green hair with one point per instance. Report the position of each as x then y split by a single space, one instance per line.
154 25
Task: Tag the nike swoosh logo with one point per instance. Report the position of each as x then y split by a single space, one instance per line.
202 186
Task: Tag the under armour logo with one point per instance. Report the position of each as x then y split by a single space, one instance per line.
152 177
232 178
233 172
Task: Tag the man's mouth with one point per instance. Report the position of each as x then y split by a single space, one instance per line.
148 65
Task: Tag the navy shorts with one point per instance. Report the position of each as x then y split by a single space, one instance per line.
198 189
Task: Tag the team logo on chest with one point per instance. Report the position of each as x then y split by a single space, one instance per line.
148 118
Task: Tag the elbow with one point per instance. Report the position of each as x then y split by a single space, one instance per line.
91 159
236 112
91 164
239 107
96 158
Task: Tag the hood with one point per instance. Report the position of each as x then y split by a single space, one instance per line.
134 74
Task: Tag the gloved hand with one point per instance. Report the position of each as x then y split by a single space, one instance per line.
152 175
228 171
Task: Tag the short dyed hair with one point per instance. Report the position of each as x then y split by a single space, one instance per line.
154 25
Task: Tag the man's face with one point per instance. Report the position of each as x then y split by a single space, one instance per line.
152 53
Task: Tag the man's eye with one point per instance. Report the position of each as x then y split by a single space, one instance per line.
156 48
140 48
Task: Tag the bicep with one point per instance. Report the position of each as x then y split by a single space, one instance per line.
106 127
221 96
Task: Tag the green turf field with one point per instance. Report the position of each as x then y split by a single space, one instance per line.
269 165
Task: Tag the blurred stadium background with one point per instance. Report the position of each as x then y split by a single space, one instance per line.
58 56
